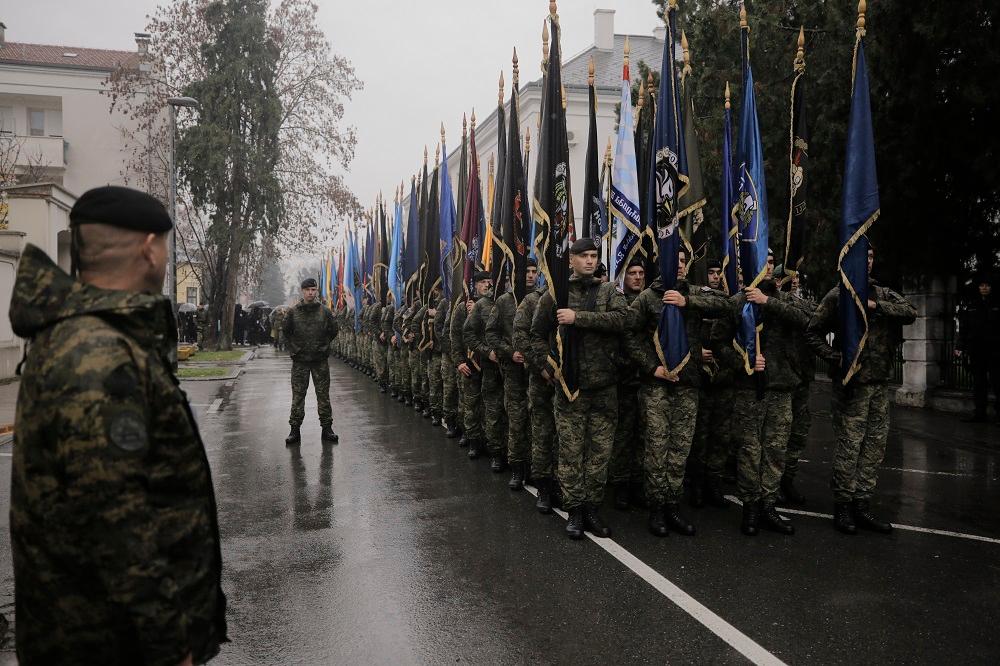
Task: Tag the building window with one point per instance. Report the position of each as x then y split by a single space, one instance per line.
192 295
36 122
6 120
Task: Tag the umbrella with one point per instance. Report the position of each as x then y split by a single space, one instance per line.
187 307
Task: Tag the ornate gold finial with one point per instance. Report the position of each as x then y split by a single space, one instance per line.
553 11
687 53
590 72
527 139
862 8
491 165
500 94
465 126
650 83
473 126
564 97
727 94
672 4
607 153
628 49
437 151
442 132
545 45
743 17
642 95
800 54
425 154
517 73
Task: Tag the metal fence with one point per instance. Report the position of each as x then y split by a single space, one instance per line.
955 372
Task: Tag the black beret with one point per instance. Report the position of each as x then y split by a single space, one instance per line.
636 261
481 275
532 262
583 245
601 270
713 263
308 283
121 207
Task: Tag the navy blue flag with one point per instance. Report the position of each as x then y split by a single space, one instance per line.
752 207
414 254
730 227
668 181
447 225
860 210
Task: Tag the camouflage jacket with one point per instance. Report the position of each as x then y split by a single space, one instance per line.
398 318
442 336
375 321
628 374
780 319
599 329
500 328
641 336
714 374
474 331
459 352
308 329
805 357
533 349
113 518
891 312
388 315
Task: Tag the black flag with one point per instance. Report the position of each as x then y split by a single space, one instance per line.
798 158
514 225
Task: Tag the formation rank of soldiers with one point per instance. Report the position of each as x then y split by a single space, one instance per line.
578 376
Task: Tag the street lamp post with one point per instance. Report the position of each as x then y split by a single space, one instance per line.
172 104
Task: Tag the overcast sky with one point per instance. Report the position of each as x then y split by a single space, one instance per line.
421 62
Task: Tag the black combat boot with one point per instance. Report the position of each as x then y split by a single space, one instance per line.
714 495
592 522
770 520
417 405
496 464
381 387
427 413
475 449
574 527
750 513
697 496
637 494
453 429
620 491
657 525
544 501
406 399
675 521
791 493
843 518
328 435
294 437
435 421
868 521
516 476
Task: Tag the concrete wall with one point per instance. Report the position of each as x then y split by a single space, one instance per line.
11 346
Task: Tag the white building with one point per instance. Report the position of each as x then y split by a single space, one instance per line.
56 130
608 52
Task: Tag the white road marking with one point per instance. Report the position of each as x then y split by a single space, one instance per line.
898 526
727 632
916 471
215 406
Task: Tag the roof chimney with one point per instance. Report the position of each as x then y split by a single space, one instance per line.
3 36
660 32
604 29
142 43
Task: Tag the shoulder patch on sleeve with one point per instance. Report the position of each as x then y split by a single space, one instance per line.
127 429
706 289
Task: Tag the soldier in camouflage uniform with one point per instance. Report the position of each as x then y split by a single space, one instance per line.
495 417
586 425
713 432
403 354
310 327
500 339
411 332
432 350
540 396
669 401
113 525
470 367
378 347
762 409
861 407
277 317
391 350
625 468
805 360
449 375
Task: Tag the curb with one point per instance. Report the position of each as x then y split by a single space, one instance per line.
232 375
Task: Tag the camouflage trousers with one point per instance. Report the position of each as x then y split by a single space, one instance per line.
404 371
379 361
418 374
495 416
713 431
586 430
761 428
395 373
435 384
450 386
626 455
861 429
669 416
320 373
472 406
801 420
543 427
515 400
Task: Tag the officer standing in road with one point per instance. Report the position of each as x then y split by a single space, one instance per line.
586 425
309 328
979 341
113 520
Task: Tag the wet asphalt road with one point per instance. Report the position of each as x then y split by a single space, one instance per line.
392 547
